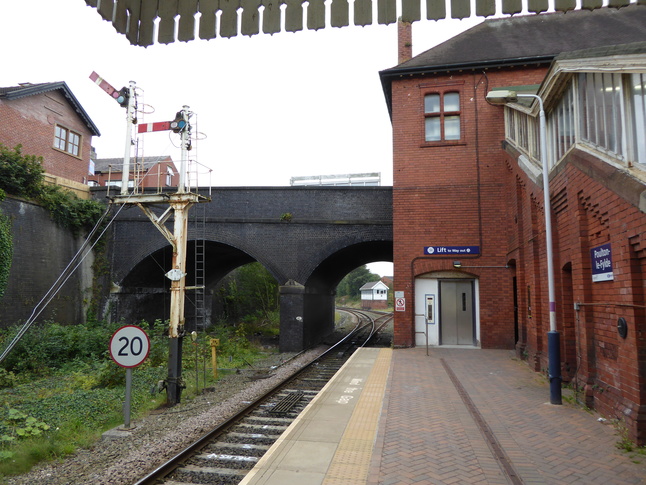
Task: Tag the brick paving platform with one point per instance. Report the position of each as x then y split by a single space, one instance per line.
456 416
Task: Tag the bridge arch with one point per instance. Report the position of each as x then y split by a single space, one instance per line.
332 230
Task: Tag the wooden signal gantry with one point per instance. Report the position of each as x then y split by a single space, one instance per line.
179 204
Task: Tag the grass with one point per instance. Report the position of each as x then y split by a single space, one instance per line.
82 399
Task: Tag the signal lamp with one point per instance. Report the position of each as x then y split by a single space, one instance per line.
122 97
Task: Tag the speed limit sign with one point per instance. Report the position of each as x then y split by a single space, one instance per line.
129 346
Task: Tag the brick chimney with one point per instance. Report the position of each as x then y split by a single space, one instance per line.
404 41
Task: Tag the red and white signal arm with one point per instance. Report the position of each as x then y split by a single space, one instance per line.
129 346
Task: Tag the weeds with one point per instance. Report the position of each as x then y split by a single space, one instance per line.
636 453
63 390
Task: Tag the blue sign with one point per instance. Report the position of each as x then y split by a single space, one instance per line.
601 258
451 250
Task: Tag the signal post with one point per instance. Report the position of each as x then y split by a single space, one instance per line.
179 204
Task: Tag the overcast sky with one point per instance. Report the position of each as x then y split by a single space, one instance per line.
267 107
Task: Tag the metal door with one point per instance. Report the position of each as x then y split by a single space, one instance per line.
456 313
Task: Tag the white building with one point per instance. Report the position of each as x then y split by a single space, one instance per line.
374 295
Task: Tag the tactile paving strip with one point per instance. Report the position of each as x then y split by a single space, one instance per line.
352 458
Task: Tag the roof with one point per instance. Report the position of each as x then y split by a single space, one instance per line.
606 51
143 23
28 89
535 37
103 164
526 40
372 285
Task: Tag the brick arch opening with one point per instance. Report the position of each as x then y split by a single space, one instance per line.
333 269
144 292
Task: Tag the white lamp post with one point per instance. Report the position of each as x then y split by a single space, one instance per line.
553 337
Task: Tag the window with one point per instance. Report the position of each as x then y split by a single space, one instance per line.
442 116
169 176
638 95
67 141
601 110
561 126
601 100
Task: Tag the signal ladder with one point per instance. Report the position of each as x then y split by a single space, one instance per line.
199 230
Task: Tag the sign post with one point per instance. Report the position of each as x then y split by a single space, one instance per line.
129 347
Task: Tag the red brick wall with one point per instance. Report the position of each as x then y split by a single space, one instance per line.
474 193
30 122
454 195
374 304
154 177
404 41
587 212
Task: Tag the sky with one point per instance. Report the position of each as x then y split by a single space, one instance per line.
266 108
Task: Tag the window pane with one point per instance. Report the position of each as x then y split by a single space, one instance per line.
638 83
73 143
432 103
600 110
60 138
451 127
433 129
583 103
451 102
611 112
592 104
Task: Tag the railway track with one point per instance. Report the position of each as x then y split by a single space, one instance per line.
225 454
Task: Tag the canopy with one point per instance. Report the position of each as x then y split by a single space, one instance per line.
136 19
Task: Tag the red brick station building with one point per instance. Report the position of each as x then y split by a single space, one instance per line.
468 203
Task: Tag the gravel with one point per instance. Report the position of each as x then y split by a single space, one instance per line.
125 458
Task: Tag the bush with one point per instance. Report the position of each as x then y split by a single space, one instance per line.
20 175
7 379
51 346
23 176
68 210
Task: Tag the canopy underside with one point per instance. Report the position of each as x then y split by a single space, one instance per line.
208 19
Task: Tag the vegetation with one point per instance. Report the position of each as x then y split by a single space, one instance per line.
22 176
247 294
347 291
59 388
6 248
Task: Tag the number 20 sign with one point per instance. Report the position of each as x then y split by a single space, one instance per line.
129 346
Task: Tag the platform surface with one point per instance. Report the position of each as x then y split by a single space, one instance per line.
455 416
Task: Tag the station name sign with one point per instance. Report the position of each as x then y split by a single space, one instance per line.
601 258
451 250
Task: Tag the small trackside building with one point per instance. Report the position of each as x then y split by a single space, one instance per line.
374 296
468 210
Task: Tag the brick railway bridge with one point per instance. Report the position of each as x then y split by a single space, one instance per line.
308 238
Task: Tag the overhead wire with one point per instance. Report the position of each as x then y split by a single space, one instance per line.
69 270
65 275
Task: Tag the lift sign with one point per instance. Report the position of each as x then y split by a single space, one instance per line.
601 258
129 346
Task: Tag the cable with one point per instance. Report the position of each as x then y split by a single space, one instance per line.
63 277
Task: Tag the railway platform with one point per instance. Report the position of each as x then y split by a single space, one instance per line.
455 416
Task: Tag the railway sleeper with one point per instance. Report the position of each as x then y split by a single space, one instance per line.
209 473
227 460
270 420
174 482
255 438
311 392
262 428
246 449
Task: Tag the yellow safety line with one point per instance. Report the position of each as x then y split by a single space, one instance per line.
351 461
